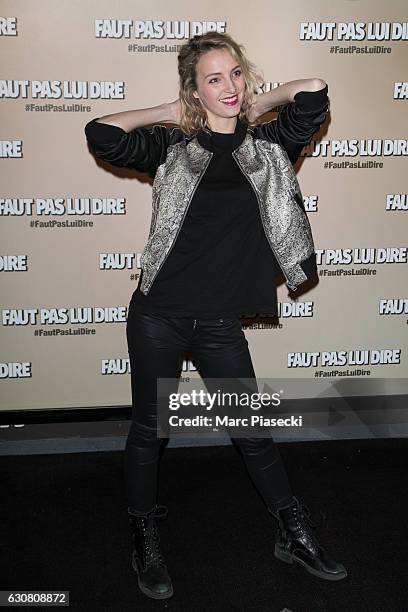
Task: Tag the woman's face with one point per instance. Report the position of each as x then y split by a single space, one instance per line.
220 85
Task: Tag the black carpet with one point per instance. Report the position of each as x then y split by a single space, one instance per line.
64 527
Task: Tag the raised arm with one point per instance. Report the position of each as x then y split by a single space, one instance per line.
284 94
130 120
123 139
306 106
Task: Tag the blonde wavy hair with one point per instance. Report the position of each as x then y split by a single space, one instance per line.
193 115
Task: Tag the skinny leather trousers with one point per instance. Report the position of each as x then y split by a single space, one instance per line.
156 345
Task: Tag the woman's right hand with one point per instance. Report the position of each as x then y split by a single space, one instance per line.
174 111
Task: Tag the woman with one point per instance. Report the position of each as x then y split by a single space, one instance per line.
223 191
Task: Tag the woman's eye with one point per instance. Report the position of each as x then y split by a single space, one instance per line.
236 73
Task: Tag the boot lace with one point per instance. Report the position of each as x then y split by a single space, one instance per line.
304 521
150 536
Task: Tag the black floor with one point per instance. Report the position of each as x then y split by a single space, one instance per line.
64 527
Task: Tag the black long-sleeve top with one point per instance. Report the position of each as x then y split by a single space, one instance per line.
221 263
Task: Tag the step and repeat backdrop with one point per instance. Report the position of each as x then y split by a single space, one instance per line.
73 228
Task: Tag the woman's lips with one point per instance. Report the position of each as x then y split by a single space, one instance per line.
230 101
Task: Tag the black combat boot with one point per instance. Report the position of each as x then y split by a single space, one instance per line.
296 542
147 560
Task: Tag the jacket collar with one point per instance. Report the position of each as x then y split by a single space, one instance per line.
214 141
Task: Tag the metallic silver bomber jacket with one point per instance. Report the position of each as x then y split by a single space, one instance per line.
273 179
265 155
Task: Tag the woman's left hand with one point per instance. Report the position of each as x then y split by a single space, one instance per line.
254 111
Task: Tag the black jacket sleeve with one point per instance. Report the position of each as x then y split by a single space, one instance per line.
297 122
142 149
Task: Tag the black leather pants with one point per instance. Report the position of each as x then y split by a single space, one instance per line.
157 345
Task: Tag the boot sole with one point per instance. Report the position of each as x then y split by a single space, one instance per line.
288 558
144 589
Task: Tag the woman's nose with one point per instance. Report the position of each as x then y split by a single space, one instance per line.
231 86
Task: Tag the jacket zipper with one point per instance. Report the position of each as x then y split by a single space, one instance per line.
263 224
182 220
